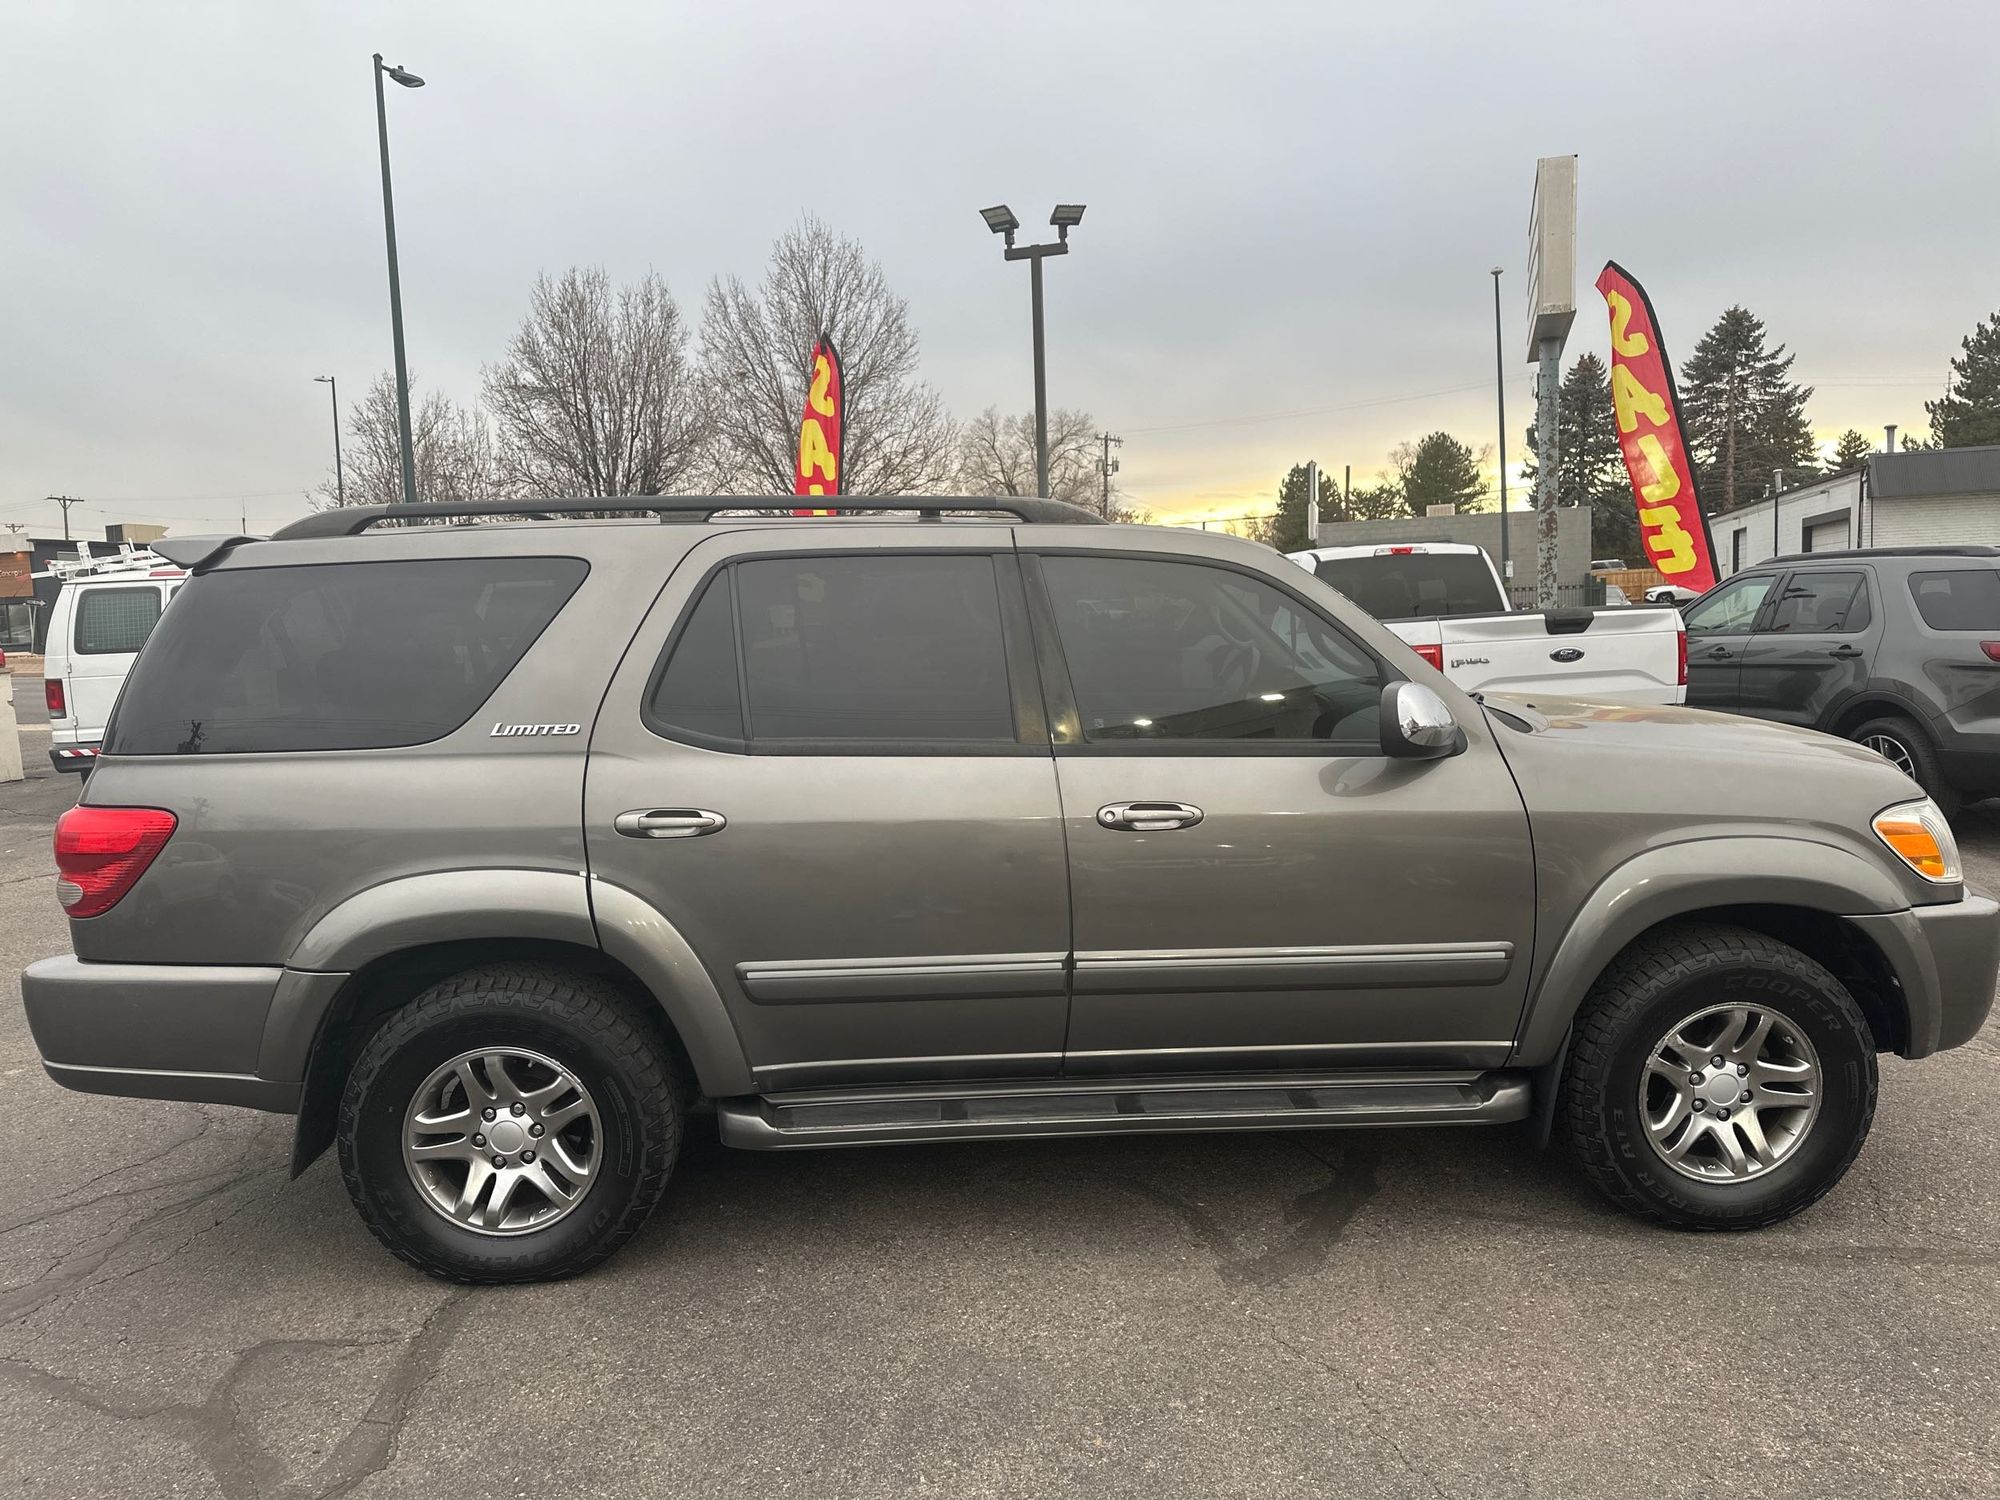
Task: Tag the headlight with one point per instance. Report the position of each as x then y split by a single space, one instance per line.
1917 834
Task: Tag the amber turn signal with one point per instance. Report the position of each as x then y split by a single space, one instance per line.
1919 836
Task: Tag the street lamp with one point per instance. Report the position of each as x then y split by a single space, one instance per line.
1500 396
409 81
339 477
1000 219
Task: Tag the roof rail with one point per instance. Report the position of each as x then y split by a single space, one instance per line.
1852 553
352 520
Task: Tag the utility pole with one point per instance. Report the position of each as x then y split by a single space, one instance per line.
1347 492
1729 441
1547 453
1107 467
65 501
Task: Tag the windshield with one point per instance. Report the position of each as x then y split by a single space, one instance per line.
1416 585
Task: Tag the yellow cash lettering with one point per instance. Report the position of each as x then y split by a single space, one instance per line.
1623 340
1630 400
1667 540
814 455
821 399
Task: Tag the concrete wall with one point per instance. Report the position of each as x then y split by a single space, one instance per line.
1482 529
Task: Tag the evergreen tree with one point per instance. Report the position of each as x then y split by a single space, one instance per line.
1743 414
1970 411
1851 452
1381 501
1438 469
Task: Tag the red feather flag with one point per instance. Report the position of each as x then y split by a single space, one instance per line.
817 470
1647 411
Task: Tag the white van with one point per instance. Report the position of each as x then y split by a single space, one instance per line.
106 608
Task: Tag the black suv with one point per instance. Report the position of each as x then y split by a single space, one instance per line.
1897 648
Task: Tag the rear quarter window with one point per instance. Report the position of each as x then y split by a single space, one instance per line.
338 656
1958 598
115 621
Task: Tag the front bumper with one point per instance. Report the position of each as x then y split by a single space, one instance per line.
1946 959
220 1034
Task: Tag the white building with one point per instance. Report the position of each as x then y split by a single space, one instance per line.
1947 497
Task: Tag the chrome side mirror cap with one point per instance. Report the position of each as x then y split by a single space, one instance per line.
1417 724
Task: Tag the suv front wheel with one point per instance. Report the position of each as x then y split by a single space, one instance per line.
515 1122
1717 1079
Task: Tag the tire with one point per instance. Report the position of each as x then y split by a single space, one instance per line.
620 1067
1649 992
1912 752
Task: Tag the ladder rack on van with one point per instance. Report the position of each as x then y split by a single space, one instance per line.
128 562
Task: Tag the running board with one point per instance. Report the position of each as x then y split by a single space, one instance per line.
882 1116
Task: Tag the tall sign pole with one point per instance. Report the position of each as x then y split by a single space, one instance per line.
1551 309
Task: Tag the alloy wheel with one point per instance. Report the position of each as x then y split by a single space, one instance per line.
1730 1092
502 1140
1893 751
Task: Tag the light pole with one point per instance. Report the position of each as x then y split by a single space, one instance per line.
409 81
1001 220
339 476
1500 396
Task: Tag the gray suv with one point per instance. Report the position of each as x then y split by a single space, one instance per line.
1896 648
498 853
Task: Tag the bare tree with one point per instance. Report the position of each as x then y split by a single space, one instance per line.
996 456
595 395
755 348
453 449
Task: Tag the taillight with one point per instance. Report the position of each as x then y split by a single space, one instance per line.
102 851
1681 657
1434 654
52 694
1992 649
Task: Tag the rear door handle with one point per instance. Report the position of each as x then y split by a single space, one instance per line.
669 823
1720 653
1845 653
1148 817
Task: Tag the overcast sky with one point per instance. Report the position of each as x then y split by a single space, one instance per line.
1292 208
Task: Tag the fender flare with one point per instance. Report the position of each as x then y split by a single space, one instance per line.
484 904
1676 879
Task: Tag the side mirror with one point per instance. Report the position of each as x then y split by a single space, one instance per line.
1416 724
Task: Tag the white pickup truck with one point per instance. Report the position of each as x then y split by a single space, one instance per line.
1445 600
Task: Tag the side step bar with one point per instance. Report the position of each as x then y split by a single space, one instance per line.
882 1116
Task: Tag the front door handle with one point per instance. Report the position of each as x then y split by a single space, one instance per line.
1845 653
1148 817
668 823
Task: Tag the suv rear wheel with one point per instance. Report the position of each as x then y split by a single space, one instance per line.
1906 747
1717 1079
515 1122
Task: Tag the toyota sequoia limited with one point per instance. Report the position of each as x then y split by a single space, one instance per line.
502 854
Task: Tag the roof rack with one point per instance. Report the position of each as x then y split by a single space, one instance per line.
352 520
128 560
1849 553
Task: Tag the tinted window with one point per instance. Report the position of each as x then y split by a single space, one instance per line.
1183 651
342 656
873 647
1729 610
1963 599
698 692
1416 585
115 621
1821 604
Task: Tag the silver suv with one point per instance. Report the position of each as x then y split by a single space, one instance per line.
495 852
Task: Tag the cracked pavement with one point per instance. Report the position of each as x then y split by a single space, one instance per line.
1364 1312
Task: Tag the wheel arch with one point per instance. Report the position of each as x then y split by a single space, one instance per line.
1807 895
1875 703
386 945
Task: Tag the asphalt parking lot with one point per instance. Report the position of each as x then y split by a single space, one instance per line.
1311 1314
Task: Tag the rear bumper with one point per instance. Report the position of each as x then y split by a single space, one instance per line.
224 1034
78 758
1946 959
